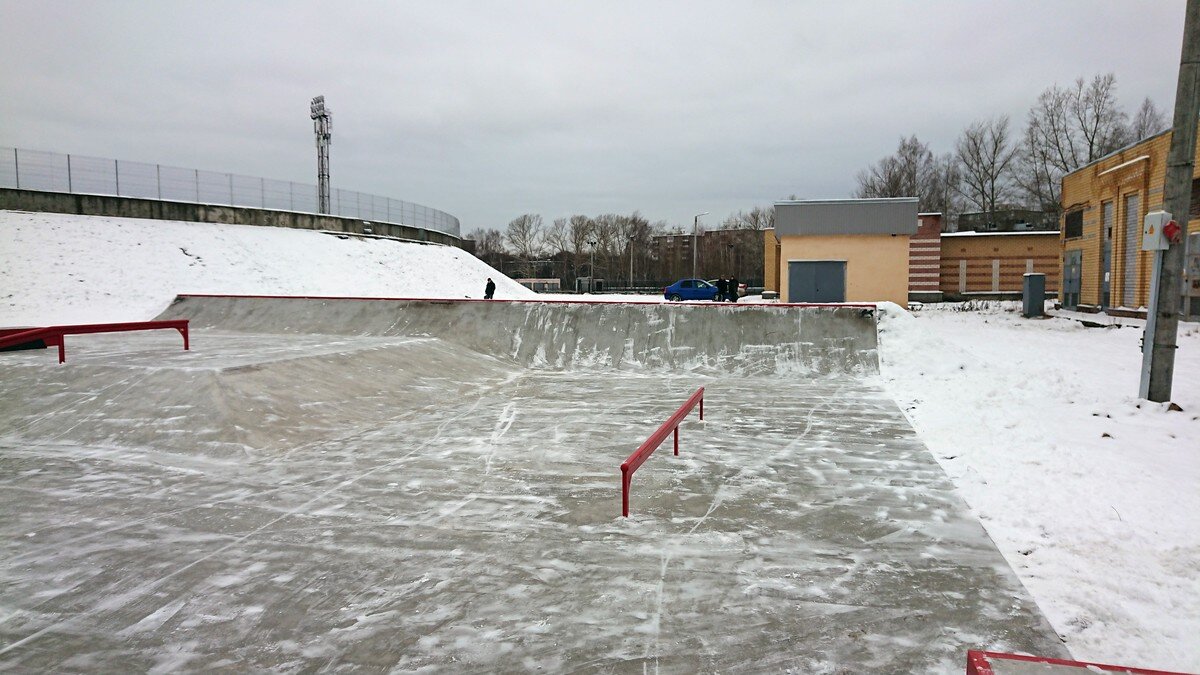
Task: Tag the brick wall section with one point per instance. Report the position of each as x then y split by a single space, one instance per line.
925 255
770 261
996 262
1137 170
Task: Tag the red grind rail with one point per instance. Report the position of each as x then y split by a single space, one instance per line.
54 335
651 444
979 663
501 301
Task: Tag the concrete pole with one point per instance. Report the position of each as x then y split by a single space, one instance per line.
1178 195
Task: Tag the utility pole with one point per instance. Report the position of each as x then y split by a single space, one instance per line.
696 239
1160 340
322 118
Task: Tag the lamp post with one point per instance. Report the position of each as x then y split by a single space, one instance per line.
695 239
631 263
592 269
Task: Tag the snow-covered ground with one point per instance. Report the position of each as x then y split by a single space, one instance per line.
1091 494
71 269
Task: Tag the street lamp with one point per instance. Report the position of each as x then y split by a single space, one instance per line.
592 269
695 240
631 239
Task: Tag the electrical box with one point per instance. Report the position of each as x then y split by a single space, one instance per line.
1152 231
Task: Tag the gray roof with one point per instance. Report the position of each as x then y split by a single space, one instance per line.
891 215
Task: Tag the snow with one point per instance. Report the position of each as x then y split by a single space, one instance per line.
62 268
1089 493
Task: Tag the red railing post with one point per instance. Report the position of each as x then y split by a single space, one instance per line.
651 444
702 407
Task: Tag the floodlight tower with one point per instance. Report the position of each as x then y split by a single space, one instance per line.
323 126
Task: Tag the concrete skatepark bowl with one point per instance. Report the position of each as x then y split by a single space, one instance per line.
330 484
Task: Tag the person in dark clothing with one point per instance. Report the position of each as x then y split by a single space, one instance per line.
731 289
489 290
721 289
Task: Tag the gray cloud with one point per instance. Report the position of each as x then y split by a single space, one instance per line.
488 110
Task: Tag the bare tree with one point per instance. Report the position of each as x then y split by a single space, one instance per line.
1147 121
606 227
557 241
1036 172
912 171
638 233
1101 121
758 218
984 153
489 246
1066 129
581 228
524 236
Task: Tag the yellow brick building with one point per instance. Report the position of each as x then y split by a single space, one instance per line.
1103 205
996 262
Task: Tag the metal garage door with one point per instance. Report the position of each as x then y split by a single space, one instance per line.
1106 222
1072 272
1133 233
816 281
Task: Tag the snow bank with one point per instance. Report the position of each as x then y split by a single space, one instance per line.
81 269
1089 493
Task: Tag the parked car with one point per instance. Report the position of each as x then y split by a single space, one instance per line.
690 289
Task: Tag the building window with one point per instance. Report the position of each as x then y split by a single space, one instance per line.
1074 224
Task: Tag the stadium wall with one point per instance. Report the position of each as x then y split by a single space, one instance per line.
128 207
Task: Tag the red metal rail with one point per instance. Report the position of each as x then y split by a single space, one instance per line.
54 335
651 444
689 303
980 663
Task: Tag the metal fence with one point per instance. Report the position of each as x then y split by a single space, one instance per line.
55 172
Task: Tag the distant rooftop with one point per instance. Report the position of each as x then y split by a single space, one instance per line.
999 234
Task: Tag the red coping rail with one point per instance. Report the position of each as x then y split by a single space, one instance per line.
980 663
53 335
651 444
498 301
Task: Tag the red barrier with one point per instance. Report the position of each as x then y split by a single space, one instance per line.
54 335
980 663
651 444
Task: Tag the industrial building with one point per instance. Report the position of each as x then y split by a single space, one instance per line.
1104 203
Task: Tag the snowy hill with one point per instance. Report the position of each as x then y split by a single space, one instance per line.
81 269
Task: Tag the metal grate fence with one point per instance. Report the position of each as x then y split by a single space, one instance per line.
55 172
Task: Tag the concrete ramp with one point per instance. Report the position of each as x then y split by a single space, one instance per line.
238 395
415 486
792 340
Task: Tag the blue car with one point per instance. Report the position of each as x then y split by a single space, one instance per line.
690 289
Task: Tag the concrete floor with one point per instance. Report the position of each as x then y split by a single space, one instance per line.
308 502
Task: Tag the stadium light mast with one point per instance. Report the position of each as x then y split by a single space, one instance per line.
323 127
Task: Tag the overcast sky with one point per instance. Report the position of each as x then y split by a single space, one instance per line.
488 110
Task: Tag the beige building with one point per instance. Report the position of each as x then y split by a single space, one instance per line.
841 250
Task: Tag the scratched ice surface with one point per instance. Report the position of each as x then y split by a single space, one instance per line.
397 502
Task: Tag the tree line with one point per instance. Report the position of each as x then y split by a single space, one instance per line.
625 250
994 167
